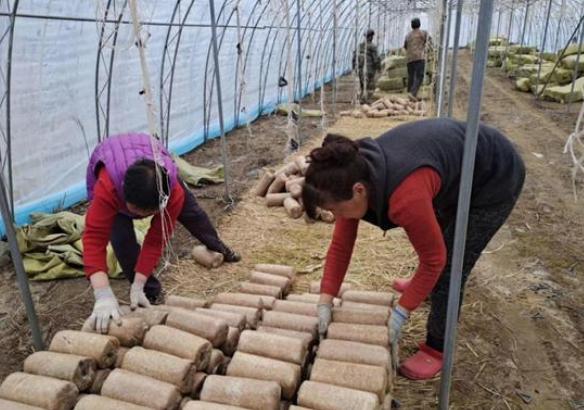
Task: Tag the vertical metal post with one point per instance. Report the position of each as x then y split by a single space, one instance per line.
443 54
562 9
224 148
452 89
524 23
468 161
356 84
21 278
509 31
8 110
545 32
499 21
575 74
334 55
299 54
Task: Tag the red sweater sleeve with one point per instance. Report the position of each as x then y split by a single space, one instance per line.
100 219
153 243
339 255
411 207
98 224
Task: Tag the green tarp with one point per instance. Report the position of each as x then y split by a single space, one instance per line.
197 176
51 244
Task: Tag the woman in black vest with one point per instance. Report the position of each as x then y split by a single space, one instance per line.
409 177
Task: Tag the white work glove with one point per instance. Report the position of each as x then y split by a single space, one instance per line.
325 315
105 307
399 316
137 296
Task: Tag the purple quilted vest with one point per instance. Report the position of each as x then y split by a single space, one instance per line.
117 153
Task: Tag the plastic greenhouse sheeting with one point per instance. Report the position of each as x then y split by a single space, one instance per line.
76 78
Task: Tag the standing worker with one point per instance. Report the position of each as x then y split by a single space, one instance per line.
129 177
415 45
369 63
409 177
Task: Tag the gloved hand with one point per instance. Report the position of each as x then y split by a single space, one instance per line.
399 316
105 307
325 315
137 296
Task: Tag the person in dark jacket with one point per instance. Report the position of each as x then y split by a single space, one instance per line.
367 63
132 176
409 177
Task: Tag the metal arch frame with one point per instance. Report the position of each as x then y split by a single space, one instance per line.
100 60
262 94
239 95
167 80
315 60
209 101
280 70
6 159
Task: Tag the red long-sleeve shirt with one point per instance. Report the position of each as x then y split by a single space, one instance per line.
99 223
410 206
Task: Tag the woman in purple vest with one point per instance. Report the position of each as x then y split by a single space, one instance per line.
409 178
125 183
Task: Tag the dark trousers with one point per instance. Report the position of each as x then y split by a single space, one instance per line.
127 250
483 223
416 76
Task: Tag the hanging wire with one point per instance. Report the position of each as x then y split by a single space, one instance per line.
155 144
323 124
575 147
241 74
293 143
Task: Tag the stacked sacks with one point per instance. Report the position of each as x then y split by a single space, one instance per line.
564 94
352 367
395 74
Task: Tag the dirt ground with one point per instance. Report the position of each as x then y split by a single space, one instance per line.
521 336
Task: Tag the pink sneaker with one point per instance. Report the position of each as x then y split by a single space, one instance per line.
425 364
401 284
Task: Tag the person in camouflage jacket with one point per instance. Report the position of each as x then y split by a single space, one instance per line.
367 63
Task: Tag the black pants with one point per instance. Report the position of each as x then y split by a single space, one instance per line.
483 223
416 76
370 83
127 250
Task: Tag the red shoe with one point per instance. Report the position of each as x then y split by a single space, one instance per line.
425 364
401 285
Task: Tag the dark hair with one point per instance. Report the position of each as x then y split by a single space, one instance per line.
370 33
334 169
140 184
416 23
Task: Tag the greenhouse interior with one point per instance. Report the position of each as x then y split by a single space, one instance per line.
182 184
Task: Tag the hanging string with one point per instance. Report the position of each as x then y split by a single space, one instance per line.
356 85
165 219
323 124
241 70
292 144
575 147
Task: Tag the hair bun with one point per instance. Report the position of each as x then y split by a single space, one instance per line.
335 150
